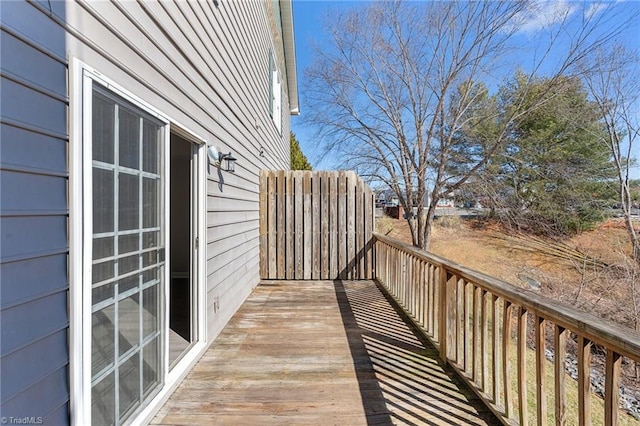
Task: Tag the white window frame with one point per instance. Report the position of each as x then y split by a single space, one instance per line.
81 78
275 93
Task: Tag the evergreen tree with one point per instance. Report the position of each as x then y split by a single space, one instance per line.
298 159
545 178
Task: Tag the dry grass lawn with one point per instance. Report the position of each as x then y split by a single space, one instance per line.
484 247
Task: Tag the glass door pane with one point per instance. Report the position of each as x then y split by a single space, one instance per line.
128 257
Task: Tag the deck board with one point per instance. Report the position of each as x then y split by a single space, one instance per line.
317 353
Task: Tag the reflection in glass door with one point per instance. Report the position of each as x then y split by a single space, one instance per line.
128 263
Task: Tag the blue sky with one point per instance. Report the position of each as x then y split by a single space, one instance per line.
308 25
308 18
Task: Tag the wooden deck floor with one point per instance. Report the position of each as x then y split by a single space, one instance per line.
320 353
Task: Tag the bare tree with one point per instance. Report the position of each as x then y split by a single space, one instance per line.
611 75
400 82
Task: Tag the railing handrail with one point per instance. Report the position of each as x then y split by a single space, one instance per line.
622 340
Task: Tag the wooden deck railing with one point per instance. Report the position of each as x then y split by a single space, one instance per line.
499 337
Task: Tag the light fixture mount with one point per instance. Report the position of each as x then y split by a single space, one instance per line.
212 153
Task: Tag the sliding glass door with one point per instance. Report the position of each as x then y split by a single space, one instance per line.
128 234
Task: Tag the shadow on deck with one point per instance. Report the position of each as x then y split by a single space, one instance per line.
321 352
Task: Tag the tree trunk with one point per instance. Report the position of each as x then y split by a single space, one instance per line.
431 213
626 204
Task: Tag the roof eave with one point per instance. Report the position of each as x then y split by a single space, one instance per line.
286 14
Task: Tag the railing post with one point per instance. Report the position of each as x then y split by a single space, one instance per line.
442 311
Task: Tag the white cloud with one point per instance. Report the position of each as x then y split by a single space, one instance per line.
543 14
594 9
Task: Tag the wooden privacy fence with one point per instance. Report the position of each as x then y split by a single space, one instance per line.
315 225
499 337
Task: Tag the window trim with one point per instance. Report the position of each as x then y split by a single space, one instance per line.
271 97
275 93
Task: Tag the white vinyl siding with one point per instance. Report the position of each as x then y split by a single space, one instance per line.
205 73
34 356
202 64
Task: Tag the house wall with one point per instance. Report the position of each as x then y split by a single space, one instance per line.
206 68
34 319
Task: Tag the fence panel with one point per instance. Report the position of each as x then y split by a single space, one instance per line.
315 225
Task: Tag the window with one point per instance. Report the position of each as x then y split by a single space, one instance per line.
275 94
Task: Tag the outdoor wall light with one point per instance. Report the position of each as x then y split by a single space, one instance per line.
230 162
217 158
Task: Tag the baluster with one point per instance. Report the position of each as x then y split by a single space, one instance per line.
465 334
442 317
432 298
495 340
406 265
416 287
437 300
522 366
507 310
559 360
484 342
452 318
424 287
541 394
460 321
477 309
584 381
612 388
